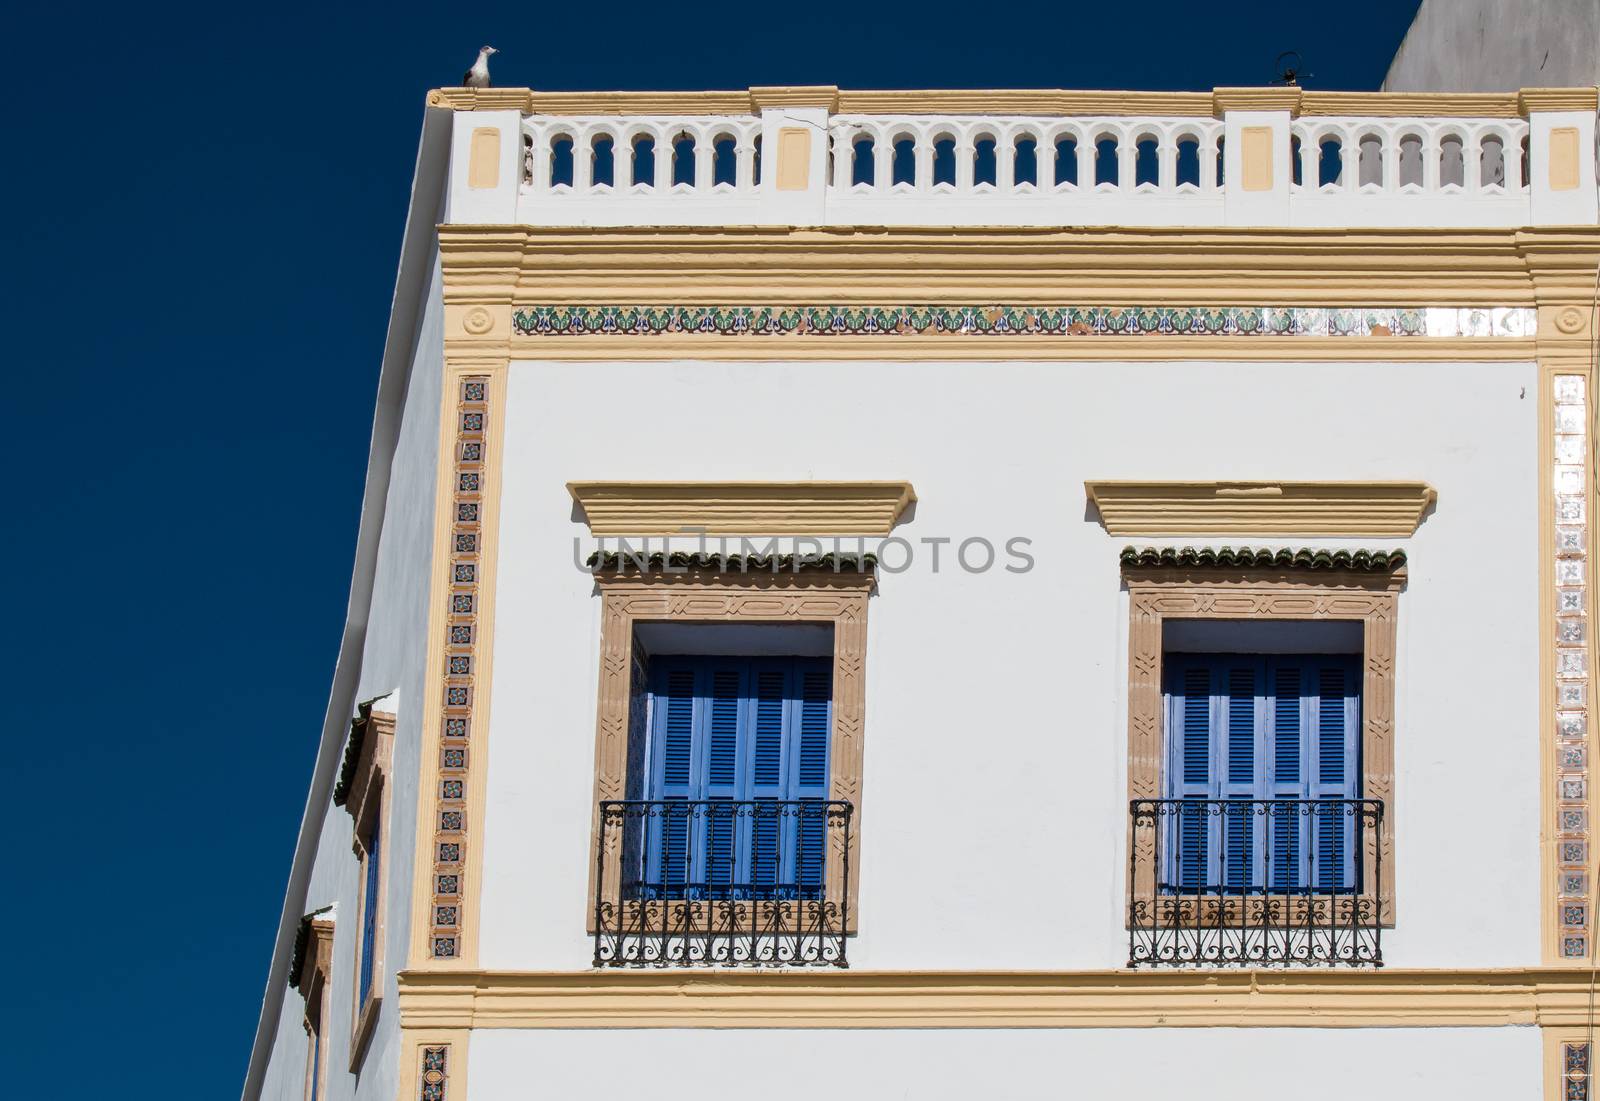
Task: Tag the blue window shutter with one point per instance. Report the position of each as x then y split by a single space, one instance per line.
638 724
1289 725
369 906
726 727
1192 830
771 718
1338 751
1191 682
667 832
738 729
813 728
1196 728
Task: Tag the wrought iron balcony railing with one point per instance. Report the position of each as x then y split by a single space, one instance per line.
1256 882
722 883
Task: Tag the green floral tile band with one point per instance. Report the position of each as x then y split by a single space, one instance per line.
1021 320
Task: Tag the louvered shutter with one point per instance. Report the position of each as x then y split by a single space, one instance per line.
715 822
770 718
1335 745
1238 769
739 729
1285 782
813 725
672 770
636 783
369 906
1191 715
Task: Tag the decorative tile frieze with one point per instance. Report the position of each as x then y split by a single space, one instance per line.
1571 726
1022 320
460 631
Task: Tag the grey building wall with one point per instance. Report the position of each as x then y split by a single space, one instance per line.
1498 46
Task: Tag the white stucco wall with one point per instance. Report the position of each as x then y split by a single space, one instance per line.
392 661
1202 1064
995 759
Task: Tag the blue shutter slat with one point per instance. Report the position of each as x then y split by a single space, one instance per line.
674 837
1196 725
816 698
1238 826
1287 729
677 730
1285 841
1331 835
667 830
722 731
1242 725
767 739
1331 746
1192 829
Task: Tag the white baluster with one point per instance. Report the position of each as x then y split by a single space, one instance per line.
582 160
965 153
1005 156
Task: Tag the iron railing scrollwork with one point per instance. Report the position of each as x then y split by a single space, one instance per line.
722 883
1256 882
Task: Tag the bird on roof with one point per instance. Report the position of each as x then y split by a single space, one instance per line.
478 75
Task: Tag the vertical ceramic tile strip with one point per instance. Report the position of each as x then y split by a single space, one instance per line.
461 627
1574 1071
435 1075
1572 665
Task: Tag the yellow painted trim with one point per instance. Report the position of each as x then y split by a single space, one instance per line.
1584 98
1255 154
483 158
1019 101
1563 158
1157 266
794 158
1555 1041
1289 351
1274 98
811 95
1081 999
742 508
1376 510
467 354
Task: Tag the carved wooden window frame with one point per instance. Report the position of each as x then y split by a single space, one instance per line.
364 791
1159 593
709 596
313 982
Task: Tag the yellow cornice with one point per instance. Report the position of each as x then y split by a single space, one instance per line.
1019 101
1559 99
742 508
1157 266
1412 104
1091 999
817 95
1375 510
1276 98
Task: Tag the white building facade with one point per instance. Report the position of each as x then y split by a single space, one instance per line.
924 594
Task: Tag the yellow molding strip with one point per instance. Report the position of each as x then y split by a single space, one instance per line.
1152 267
1090 999
1376 510
1019 101
742 508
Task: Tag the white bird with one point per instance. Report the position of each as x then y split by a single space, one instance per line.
478 75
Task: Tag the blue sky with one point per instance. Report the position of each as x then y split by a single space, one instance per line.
207 204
